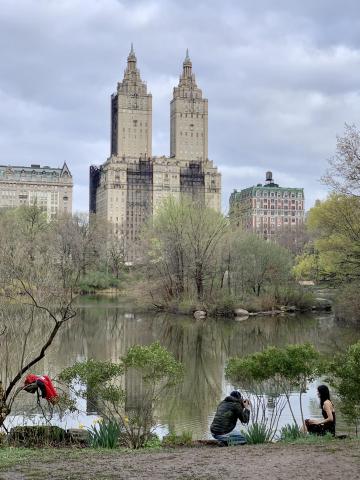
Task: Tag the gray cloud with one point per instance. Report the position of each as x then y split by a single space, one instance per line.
281 77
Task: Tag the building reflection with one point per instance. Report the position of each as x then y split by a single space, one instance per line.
104 330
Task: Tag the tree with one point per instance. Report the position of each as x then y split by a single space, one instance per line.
253 263
335 222
40 267
345 377
293 238
343 176
182 241
282 370
101 383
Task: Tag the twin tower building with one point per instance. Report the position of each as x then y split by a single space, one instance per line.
131 185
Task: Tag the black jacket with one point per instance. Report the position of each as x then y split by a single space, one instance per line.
228 412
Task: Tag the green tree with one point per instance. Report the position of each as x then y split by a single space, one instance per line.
276 371
253 263
335 222
101 384
345 377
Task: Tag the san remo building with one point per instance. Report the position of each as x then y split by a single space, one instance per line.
129 187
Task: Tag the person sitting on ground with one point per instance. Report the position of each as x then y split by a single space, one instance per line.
228 412
321 427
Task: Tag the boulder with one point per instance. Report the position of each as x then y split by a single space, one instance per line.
241 312
322 304
37 435
199 314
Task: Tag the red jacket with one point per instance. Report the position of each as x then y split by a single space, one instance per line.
51 394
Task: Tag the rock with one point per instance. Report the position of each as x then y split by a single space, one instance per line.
242 318
78 435
199 314
241 312
37 435
322 304
286 308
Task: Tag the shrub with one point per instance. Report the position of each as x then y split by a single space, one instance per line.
295 295
347 304
290 432
223 306
36 435
345 372
97 280
257 433
185 438
283 369
105 434
155 367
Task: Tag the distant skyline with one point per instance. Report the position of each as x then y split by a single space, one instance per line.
282 78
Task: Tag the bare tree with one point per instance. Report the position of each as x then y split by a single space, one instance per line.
181 242
40 267
343 176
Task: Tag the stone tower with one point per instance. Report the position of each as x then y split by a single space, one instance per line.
132 184
188 118
131 114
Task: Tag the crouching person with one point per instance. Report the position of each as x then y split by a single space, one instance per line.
229 411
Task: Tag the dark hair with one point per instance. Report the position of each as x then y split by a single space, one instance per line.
235 394
324 394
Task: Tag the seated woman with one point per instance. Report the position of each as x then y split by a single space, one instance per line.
321 427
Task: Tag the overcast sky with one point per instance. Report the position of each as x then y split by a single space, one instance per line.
282 77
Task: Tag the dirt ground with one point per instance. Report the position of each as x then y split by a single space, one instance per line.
269 462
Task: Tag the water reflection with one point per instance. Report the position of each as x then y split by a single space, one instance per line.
104 330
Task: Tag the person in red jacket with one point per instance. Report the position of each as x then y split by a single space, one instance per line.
34 383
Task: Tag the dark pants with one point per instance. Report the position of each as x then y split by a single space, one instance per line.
320 429
229 439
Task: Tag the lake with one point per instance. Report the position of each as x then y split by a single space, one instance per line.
105 328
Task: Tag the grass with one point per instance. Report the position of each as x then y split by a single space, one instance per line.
14 456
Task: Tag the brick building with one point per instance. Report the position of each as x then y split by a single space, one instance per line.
267 209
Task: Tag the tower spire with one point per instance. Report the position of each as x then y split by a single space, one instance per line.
187 58
131 60
187 65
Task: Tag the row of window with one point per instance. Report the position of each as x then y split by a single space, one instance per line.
265 194
191 115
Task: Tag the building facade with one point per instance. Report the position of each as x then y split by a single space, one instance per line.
131 185
49 188
267 209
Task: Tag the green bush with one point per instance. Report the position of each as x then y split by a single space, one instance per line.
347 304
185 438
36 436
290 432
257 433
97 280
295 295
104 435
345 377
154 366
223 306
153 442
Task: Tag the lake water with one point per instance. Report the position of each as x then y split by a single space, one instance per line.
105 328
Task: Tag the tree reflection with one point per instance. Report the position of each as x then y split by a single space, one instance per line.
105 329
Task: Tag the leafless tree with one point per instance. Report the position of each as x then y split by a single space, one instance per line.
343 176
40 268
